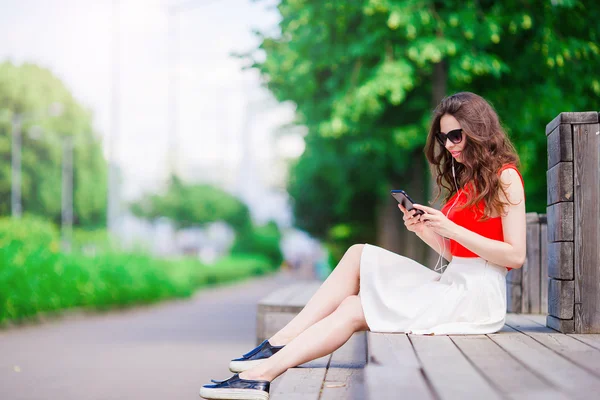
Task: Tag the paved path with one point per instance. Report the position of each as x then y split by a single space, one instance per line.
166 351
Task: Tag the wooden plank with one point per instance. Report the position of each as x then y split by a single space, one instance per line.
301 383
561 295
587 357
526 325
449 372
561 260
345 374
513 297
537 318
302 296
511 378
591 339
586 149
279 307
543 268
560 222
515 276
572 118
560 145
278 300
525 286
275 303
578 318
561 325
572 380
271 323
393 368
532 290
560 183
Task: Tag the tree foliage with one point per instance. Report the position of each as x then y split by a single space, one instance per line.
194 205
31 92
364 76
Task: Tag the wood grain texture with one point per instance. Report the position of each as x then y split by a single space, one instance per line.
560 222
561 325
579 353
509 376
586 149
450 373
278 308
571 379
513 297
393 368
515 276
590 339
291 298
531 288
345 375
559 180
561 298
301 383
561 260
560 145
586 117
278 300
270 323
543 267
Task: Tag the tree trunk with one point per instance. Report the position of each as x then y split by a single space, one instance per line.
439 87
391 232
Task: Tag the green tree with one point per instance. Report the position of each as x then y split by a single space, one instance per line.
29 91
192 205
365 76
263 240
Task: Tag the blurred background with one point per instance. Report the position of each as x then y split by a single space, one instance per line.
149 148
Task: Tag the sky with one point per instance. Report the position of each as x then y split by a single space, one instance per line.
217 101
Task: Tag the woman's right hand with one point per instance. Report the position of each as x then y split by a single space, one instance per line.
412 223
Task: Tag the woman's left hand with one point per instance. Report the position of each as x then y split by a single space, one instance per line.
437 221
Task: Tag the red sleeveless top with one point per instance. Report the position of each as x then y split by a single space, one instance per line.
468 218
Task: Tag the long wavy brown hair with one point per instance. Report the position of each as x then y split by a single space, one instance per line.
487 149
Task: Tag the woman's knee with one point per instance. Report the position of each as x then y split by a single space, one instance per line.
350 309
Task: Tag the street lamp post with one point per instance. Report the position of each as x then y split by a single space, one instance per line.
54 110
67 181
67 194
15 198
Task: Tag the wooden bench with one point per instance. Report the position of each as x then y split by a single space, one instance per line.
525 360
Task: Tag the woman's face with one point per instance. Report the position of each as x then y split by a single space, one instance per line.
447 124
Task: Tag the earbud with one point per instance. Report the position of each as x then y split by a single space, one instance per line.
453 173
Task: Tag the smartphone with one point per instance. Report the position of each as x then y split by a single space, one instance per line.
405 200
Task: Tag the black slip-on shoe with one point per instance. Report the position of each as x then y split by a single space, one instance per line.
254 357
236 388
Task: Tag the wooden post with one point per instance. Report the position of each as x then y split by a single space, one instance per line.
573 230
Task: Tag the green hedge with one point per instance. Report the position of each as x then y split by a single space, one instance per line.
260 240
36 277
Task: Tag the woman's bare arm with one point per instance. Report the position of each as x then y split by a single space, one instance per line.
436 242
510 252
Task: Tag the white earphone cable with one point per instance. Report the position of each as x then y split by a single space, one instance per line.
440 258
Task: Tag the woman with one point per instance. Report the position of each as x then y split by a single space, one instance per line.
481 230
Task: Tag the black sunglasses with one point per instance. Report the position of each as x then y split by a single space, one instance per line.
454 135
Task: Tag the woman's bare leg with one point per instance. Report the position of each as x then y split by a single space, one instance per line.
341 283
318 340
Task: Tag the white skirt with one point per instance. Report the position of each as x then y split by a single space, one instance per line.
400 295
